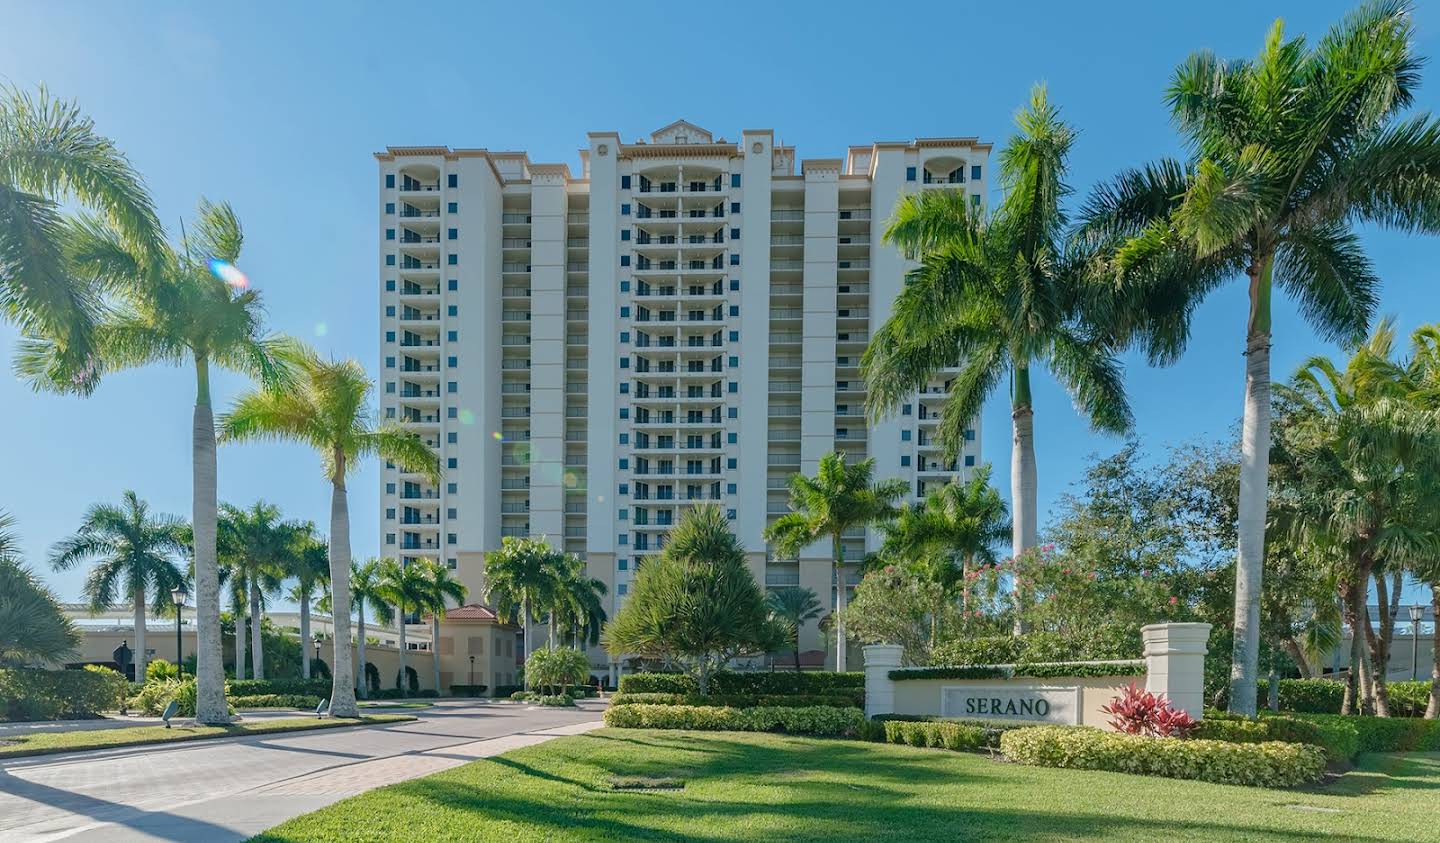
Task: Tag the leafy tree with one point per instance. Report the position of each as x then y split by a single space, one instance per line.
897 606
1422 379
553 668
525 573
50 152
794 607
838 498
327 408
175 310
440 589
258 544
696 604
405 588
995 297
135 555
33 627
1289 151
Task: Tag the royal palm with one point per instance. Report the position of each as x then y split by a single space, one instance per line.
175 311
838 498
327 408
1289 151
257 546
136 555
998 298
404 587
794 607
522 576
441 589
309 564
366 590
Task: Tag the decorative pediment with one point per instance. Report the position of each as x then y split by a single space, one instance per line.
682 132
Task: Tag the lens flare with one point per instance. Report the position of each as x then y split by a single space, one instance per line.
467 417
498 436
227 272
321 329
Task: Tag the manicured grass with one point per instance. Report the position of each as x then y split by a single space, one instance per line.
52 742
625 784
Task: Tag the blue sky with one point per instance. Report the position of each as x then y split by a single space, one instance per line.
277 108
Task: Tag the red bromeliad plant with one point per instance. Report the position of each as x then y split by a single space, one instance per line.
1139 712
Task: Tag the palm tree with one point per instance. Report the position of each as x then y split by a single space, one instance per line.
237 588
257 544
33 627
176 311
405 588
50 151
366 590
794 607
440 589
309 564
580 608
135 556
999 297
519 577
949 536
1289 151
328 409
838 498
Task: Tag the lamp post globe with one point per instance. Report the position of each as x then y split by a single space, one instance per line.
1417 613
177 596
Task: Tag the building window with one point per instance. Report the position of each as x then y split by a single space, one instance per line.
624 260
389 310
625 209
624 337
389 488
452 362
453 310
452 463
975 199
730 513
734 361
970 434
734 387
730 463
734 412
452 207
624 412
389 260
622 588
450 538
904 436
909 174
389 362
624 463
624 182
453 260
734 207
624 439
389 538
624 311
390 513
624 286
454 180
905 459
624 539
732 438
622 563
624 514
452 233
625 234
451 564
624 362
451 413
970 460
452 336
390 181
390 285
734 234
452 437
624 488
734 284
734 259
454 285
730 488
734 336
905 410
452 488
734 310
734 179
452 387
974 172
452 512
390 208
389 336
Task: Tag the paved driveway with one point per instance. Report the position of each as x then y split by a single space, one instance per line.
231 788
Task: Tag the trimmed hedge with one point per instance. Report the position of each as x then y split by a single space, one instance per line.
29 694
1325 696
990 730
1034 671
727 682
467 690
1383 734
812 720
940 734
305 701
739 700
257 687
1341 741
1270 764
562 700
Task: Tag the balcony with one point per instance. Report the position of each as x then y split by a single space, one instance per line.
409 185
409 212
515 219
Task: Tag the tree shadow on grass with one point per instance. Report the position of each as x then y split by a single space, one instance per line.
1389 772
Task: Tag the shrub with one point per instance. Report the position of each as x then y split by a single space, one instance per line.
507 690
1407 699
556 700
29 694
941 734
387 694
1037 671
991 730
302 701
257 687
467 690
1340 740
428 693
812 720
738 700
161 669
524 696
556 667
729 682
1270 764
1137 712
1383 734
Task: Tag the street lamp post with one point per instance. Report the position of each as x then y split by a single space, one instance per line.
1417 612
317 648
177 596
472 674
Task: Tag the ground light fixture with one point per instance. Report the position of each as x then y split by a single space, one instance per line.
1417 613
177 596
169 712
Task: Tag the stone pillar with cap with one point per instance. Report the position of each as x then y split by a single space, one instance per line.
880 659
1174 663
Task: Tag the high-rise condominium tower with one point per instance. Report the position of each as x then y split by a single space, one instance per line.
681 322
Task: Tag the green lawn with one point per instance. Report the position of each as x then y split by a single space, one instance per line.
47 743
743 786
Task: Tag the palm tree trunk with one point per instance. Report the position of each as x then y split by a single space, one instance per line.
1023 485
342 676
242 629
400 681
257 648
362 689
304 635
1356 694
841 600
435 647
1432 709
1254 482
525 638
139 659
1297 655
209 666
1380 645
